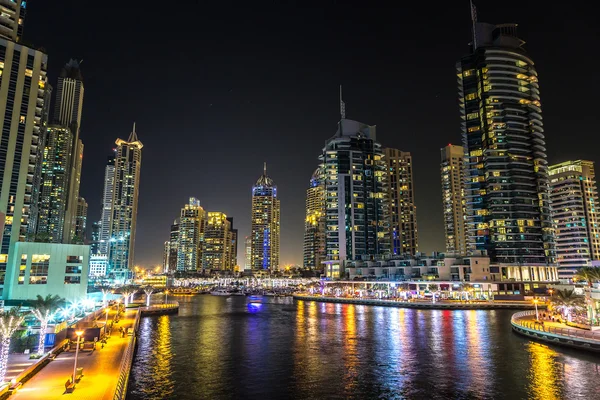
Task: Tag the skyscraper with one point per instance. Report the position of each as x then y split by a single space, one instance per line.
234 243
265 224
401 200
173 246
191 230
80 221
54 190
573 201
506 191
356 201
22 94
453 200
248 253
12 19
107 204
95 242
314 224
166 253
217 243
128 162
68 109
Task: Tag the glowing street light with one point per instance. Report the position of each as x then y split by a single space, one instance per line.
106 320
78 333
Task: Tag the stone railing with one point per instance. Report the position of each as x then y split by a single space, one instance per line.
521 320
126 361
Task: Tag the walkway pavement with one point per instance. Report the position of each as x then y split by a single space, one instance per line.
100 370
560 328
17 363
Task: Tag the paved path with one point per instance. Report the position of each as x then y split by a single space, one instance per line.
100 370
17 363
560 328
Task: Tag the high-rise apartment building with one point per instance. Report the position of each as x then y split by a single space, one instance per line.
166 253
453 200
573 201
12 19
506 189
356 202
80 221
68 108
217 242
234 243
128 162
265 224
314 224
22 94
173 247
95 242
248 253
401 200
107 204
191 230
54 190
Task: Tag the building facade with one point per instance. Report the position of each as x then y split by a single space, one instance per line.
98 266
573 199
128 163
95 238
190 235
356 201
453 200
22 94
173 247
217 243
314 224
233 244
507 188
107 204
47 269
248 253
401 200
265 224
80 221
12 19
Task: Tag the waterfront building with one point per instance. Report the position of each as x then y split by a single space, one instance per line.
54 190
128 162
80 221
265 224
68 107
573 199
401 200
98 266
166 252
190 235
173 246
356 201
314 224
453 200
23 84
12 19
233 243
95 242
107 204
217 243
248 253
47 268
506 185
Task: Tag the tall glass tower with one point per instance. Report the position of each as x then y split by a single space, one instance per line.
128 162
507 188
265 224
314 224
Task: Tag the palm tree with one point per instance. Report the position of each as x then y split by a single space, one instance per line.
127 291
589 275
44 310
105 289
566 300
148 290
10 321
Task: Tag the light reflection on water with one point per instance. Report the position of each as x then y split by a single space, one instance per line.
219 348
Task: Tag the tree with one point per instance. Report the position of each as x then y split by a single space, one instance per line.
44 310
127 291
589 275
148 290
105 289
10 321
566 300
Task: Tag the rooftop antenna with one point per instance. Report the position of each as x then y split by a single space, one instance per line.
342 105
474 21
265 168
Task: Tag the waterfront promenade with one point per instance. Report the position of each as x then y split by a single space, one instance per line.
554 332
424 304
101 369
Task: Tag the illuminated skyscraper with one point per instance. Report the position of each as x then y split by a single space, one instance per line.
401 200
507 190
248 253
234 244
80 221
128 163
217 243
356 202
265 224
173 246
95 242
12 19
22 97
453 200
191 230
573 200
107 204
314 224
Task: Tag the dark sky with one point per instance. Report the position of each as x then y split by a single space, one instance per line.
217 90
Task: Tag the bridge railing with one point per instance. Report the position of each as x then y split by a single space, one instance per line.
519 319
126 361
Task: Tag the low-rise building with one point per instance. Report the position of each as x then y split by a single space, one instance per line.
47 269
98 266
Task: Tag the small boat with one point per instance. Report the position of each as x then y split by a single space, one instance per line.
255 299
220 292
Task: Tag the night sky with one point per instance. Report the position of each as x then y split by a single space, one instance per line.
217 91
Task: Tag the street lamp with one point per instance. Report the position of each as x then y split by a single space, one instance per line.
537 316
106 320
78 333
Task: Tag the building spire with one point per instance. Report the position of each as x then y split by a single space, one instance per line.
265 168
133 137
473 21
342 105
